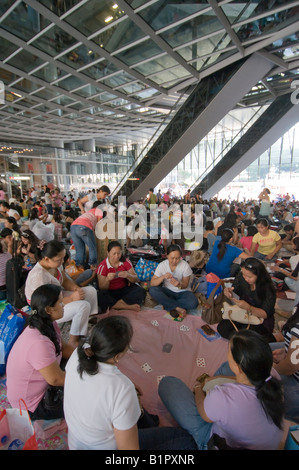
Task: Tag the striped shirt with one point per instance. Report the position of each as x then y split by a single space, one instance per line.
4 257
293 332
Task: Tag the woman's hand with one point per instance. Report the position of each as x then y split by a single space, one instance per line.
123 274
242 304
111 276
228 292
78 294
278 355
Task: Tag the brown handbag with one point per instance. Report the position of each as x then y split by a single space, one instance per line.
212 308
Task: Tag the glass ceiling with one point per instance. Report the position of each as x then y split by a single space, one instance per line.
113 70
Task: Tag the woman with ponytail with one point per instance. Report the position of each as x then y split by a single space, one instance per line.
34 362
101 405
223 255
247 412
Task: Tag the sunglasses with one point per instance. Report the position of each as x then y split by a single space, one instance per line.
25 235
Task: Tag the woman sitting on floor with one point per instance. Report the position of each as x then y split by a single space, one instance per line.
102 410
268 242
34 362
247 413
117 282
79 302
224 253
257 294
170 284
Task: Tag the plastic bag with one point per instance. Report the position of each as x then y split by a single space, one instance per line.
16 430
145 269
43 231
12 327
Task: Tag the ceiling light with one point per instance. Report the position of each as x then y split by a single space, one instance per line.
109 18
114 6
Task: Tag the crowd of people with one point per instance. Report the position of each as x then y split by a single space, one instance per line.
249 243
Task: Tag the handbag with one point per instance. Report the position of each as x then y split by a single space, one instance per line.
212 307
16 430
234 313
145 269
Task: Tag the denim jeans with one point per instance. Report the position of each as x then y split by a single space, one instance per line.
81 237
170 299
180 402
294 286
165 438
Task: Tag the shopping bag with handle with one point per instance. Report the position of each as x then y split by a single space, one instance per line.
16 429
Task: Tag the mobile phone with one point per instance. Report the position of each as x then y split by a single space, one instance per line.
116 275
208 330
235 296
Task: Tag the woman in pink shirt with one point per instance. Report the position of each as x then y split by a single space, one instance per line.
33 367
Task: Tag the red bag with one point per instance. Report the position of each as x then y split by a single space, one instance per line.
16 429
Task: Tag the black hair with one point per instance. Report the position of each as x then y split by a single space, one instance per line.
295 240
264 281
264 222
44 296
50 249
104 189
113 244
251 230
172 248
33 214
254 356
209 225
226 235
109 337
292 320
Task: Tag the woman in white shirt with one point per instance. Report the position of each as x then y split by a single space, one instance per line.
100 403
170 284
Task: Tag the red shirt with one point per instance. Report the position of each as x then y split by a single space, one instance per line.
105 268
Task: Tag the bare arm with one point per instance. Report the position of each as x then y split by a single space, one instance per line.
53 374
128 439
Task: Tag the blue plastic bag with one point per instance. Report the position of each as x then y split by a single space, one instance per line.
13 326
145 269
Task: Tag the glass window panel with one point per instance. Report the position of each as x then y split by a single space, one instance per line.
156 65
6 48
25 61
24 22
7 77
140 52
46 94
104 97
101 69
170 76
287 47
164 13
54 41
268 24
26 85
59 8
119 79
79 57
70 83
240 11
94 15
49 73
145 94
119 36
87 91
132 88
63 100
204 47
194 29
